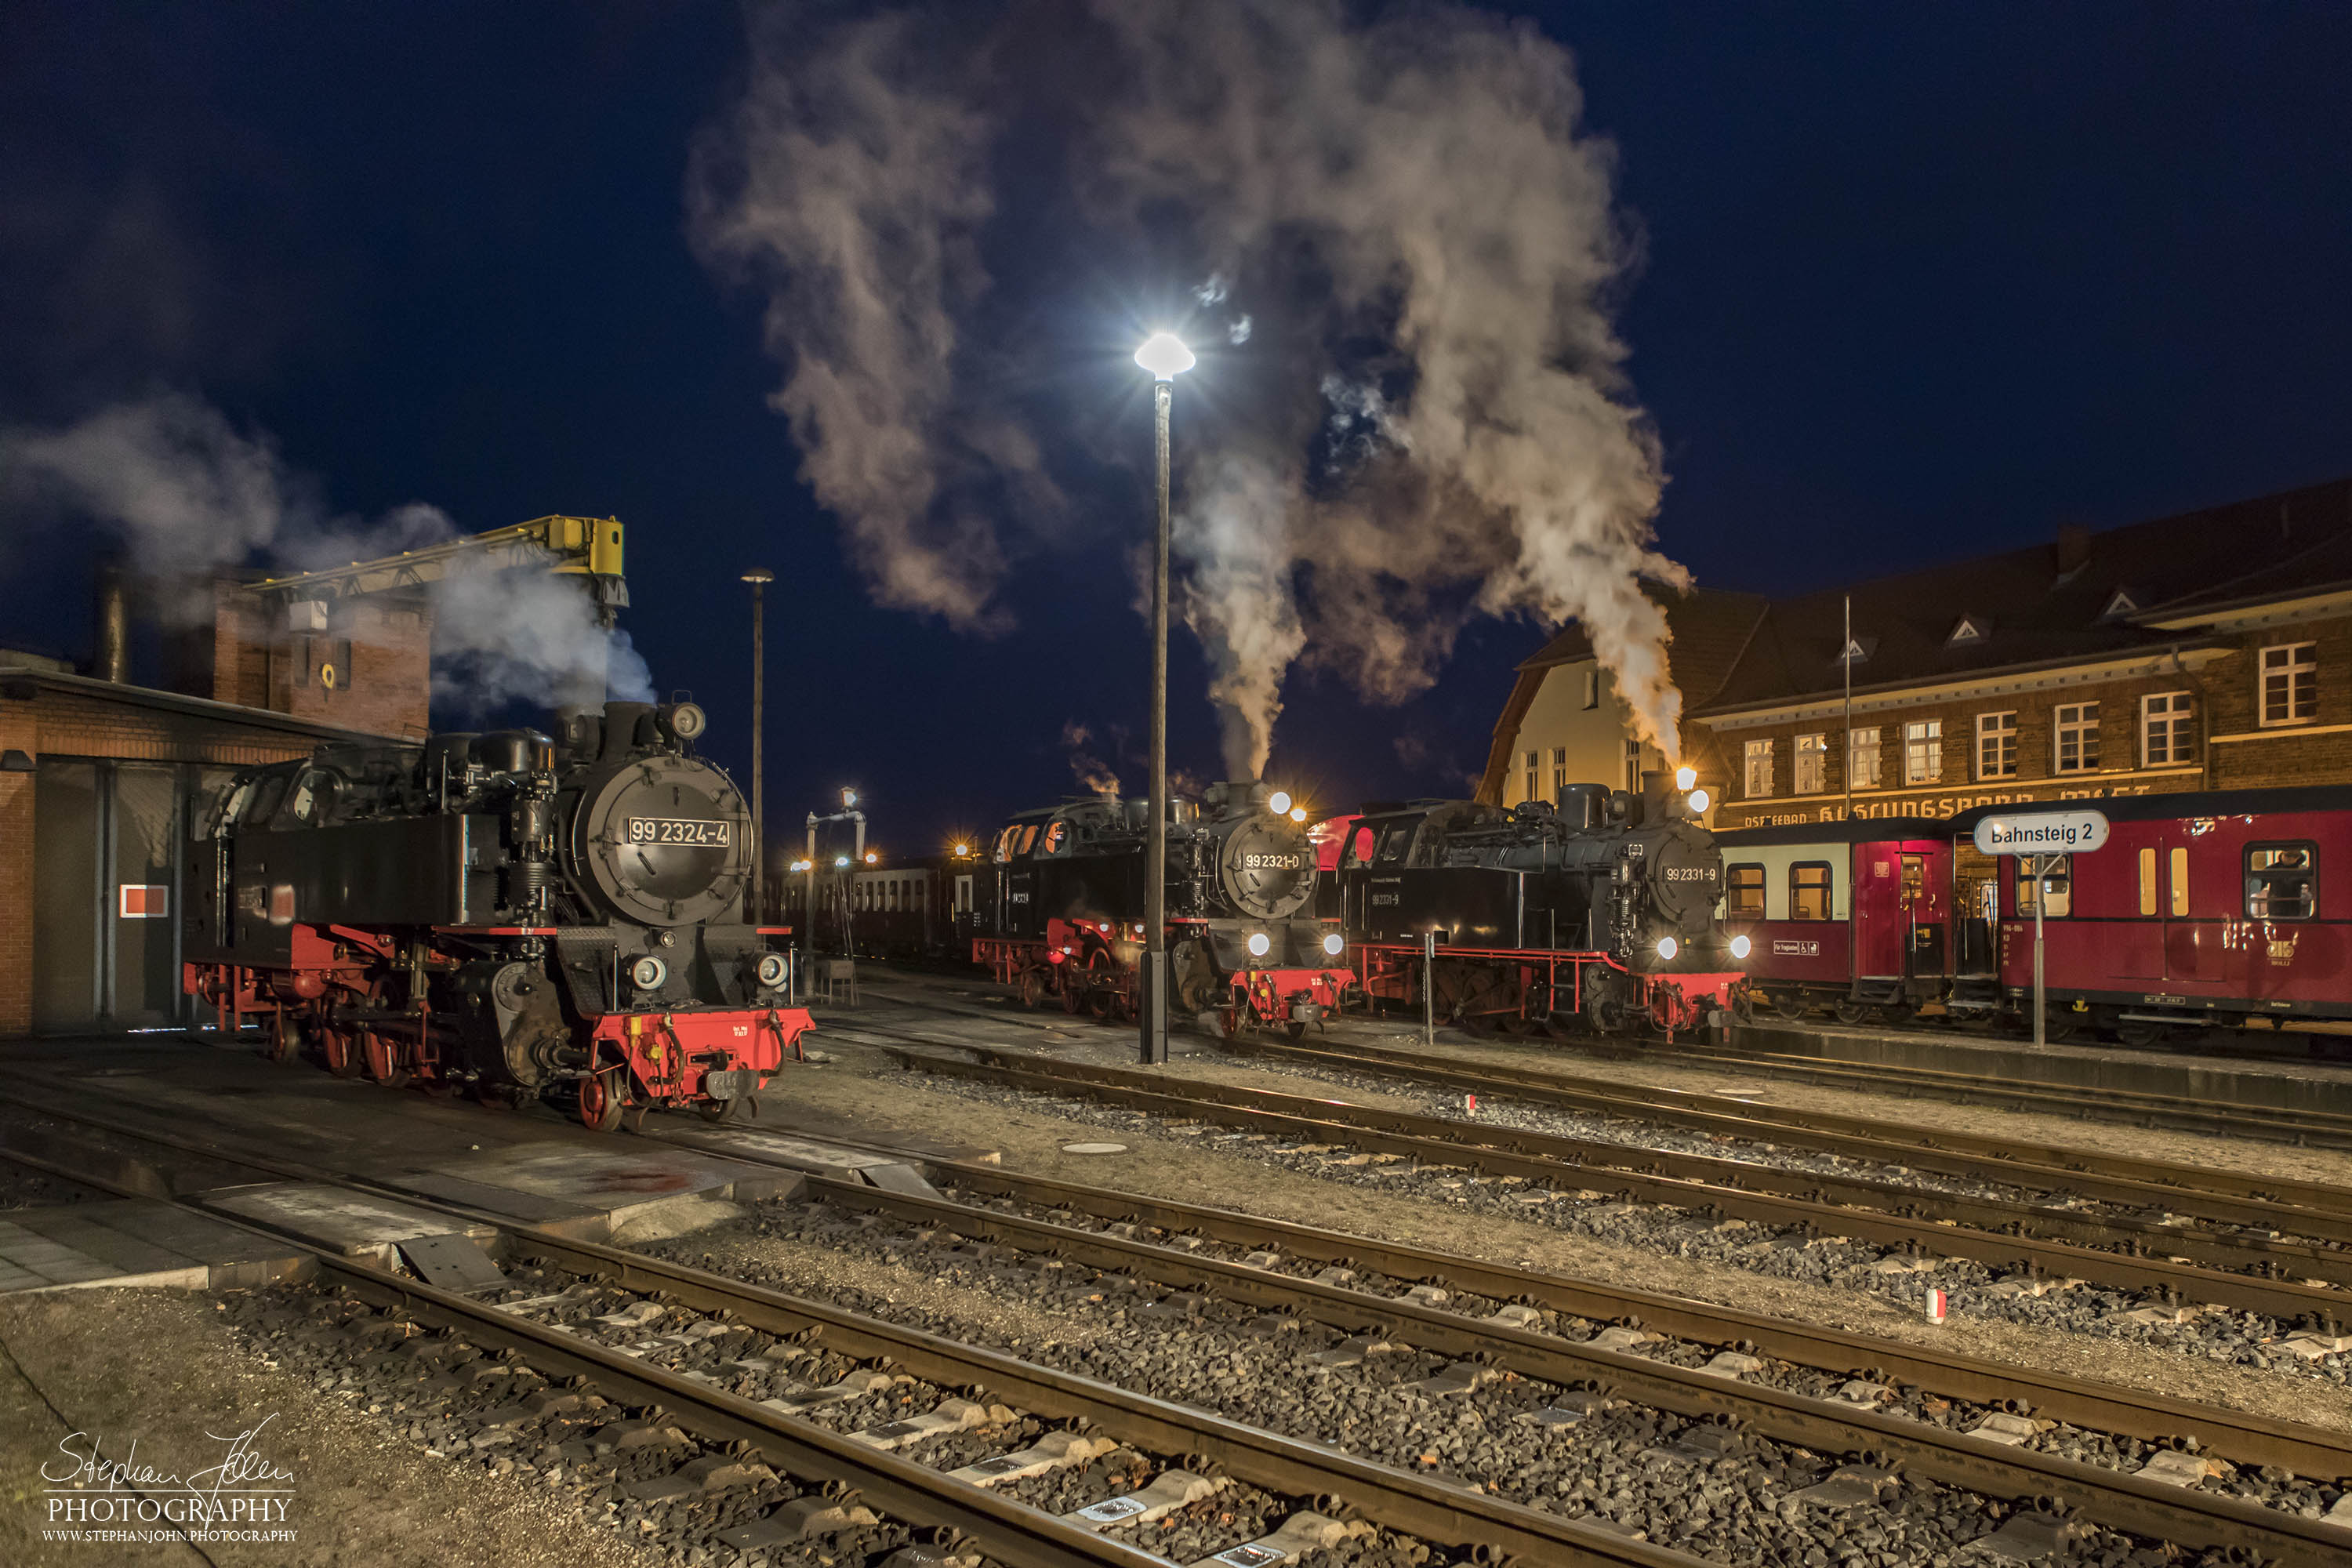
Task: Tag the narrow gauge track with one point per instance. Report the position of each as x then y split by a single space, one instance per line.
1424 1506
2227 1198
1997 1234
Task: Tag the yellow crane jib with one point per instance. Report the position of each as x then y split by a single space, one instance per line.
586 547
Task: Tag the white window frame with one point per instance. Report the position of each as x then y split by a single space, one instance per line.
1633 765
1759 759
2082 730
1535 762
1809 768
2288 661
1923 751
1997 746
1558 774
1863 758
2164 729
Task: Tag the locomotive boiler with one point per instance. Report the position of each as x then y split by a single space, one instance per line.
1598 909
1060 912
528 916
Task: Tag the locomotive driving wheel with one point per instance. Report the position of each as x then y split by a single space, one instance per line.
284 1037
1031 987
1102 990
600 1103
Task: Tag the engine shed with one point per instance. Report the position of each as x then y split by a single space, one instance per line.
101 783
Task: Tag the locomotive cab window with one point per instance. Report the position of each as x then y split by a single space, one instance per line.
2281 881
1395 842
1743 892
2056 876
1809 890
1028 840
1360 847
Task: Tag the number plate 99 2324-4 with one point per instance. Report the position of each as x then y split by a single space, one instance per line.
689 831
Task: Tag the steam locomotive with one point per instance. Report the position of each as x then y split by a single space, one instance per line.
1059 910
533 918
1597 911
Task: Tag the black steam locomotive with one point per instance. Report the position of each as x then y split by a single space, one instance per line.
1598 911
527 916
1060 908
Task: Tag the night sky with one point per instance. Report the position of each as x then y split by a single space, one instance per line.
1918 281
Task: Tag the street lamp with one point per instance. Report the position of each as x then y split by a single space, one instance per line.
1166 357
759 577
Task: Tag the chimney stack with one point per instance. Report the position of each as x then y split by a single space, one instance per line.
111 656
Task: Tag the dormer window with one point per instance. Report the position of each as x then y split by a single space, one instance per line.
2119 603
1969 629
1857 651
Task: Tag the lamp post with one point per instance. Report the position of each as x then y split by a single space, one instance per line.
759 577
1166 357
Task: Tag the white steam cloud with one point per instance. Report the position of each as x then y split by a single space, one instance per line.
187 493
1424 241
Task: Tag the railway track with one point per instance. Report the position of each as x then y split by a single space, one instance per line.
1427 1506
2242 1270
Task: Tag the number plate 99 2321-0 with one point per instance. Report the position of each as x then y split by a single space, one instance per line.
689 831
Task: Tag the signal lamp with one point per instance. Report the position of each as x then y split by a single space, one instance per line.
1668 947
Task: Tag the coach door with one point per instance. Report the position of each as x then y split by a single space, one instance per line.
1924 876
2198 888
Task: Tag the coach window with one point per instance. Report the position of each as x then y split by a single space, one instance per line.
2180 883
2281 881
1996 746
1862 757
2056 878
2290 683
2163 730
2077 733
1813 751
1809 890
1759 769
1744 892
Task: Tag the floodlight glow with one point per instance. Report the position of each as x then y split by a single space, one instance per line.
1684 777
840 861
1165 356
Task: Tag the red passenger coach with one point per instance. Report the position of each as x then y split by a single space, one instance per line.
2200 910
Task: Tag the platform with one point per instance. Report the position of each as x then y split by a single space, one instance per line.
143 1242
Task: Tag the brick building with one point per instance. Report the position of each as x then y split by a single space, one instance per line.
2212 651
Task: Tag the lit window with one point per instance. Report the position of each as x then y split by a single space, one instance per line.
2056 878
1593 687
2281 881
1533 759
2163 730
1923 751
1743 892
2290 683
1862 758
1759 769
2077 738
1558 774
1996 746
1812 763
1808 891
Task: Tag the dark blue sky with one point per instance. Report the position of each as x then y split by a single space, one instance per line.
1919 281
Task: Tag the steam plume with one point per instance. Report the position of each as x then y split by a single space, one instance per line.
188 493
1405 234
1095 776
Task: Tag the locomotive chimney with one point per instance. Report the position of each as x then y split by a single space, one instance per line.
111 655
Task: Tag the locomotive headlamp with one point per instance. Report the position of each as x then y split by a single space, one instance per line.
1684 777
1668 947
685 719
1298 814
1739 946
1278 803
648 972
1698 800
1333 943
1259 942
772 970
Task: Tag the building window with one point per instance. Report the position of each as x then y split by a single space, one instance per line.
1996 746
1811 769
2281 881
1759 769
2077 748
1862 758
1633 765
2163 730
1533 759
1743 892
2290 683
1923 751
1593 688
2055 878
1558 774
1809 890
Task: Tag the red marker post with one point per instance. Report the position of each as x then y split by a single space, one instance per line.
1938 1304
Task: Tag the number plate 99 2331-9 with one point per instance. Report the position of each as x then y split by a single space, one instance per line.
691 832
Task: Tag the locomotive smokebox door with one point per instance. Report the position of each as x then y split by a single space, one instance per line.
1267 868
1686 877
659 841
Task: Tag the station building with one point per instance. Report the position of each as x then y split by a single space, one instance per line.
2211 650
104 782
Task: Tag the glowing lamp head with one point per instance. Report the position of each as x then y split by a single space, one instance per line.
849 800
840 862
1668 947
962 850
1699 800
1278 803
871 857
1165 356
1685 776
1260 944
1739 946
1333 943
